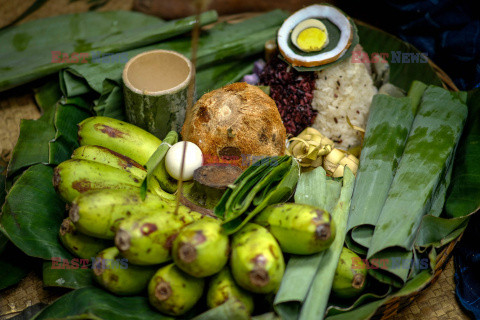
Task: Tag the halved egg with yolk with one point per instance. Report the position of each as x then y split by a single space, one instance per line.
309 34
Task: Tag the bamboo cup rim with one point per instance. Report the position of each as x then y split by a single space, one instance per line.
157 72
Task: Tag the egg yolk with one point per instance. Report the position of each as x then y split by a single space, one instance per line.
312 39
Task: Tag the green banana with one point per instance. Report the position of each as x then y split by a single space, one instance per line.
201 249
256 262
79 244
174 292
350 275
74 177
222 288
114 273
166 182
147 239
298 228
98 213
110 157
119 136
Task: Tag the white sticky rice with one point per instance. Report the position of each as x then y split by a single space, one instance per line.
345 89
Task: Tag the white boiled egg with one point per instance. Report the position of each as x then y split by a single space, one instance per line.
193 160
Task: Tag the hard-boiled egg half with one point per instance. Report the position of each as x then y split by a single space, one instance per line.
310 35
193 160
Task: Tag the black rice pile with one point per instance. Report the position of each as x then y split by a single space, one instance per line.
292 92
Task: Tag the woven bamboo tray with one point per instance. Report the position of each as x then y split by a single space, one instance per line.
435 301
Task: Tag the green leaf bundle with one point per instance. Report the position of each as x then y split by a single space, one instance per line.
267 181
428 153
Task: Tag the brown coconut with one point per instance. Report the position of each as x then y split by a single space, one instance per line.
236 124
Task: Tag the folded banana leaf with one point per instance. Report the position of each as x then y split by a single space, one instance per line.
374 291
463 196
222 44
317 298
388 125
314 188
267 181
366 311
52 138
28 50
428 152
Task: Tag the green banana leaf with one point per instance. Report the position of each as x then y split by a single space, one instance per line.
222 74
231 309
316 301
464 195
374 291
314 188
27 49
65 141
401 74
268 181
32 214
14 266
222 44
368 310
438 125
388 125
95 303
158 158
54 275
32 144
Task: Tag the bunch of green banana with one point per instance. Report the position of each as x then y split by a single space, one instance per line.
201 249
222 287
119 136
76 176
256 261
298 228
98 213
79 244
109 157
350 275
147 240
114 273
174 292
130 142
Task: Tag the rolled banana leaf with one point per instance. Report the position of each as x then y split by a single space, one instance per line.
388 125
463 196
268 181
428 152
314 188
316 301
74 38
